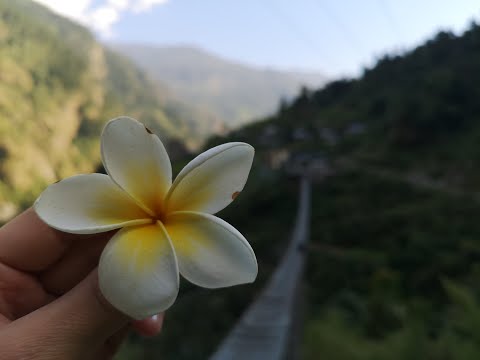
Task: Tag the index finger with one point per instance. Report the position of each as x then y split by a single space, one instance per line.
28 244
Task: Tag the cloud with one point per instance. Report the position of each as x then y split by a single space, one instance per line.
72 9
100 18
103 19
145 5
119 4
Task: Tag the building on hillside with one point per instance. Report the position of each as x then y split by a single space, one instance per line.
276 158
355 128
308 163
328 135
301 134
270 136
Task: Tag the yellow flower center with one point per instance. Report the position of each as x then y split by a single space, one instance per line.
160 214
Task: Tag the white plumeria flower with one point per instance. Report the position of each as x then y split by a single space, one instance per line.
165 228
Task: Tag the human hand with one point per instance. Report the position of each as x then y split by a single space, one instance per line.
50 304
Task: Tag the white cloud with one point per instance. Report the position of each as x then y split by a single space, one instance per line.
145 5
76 9
103 18
99 18
119 4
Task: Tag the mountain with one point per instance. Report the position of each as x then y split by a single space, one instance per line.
393 264
232 92
58 86
419 111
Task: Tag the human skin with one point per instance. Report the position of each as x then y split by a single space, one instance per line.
50 304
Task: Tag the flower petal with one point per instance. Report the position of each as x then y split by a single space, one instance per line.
212 180
210 252
85 204
137 161
138 271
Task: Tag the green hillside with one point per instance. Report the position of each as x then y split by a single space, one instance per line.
58 86
417 111
233 93
394 257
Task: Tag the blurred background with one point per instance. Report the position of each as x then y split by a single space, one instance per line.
375 102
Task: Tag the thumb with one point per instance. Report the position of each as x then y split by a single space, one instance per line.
84 312
78 322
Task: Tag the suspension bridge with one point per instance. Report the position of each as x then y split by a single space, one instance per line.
266 331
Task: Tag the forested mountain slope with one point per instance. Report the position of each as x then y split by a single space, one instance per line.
416 111
394 256
233 92
58 86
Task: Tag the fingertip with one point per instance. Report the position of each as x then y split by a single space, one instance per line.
151 326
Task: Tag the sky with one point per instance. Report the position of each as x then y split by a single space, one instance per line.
335 37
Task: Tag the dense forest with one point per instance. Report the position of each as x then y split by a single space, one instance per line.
58 86
394 257
413 111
